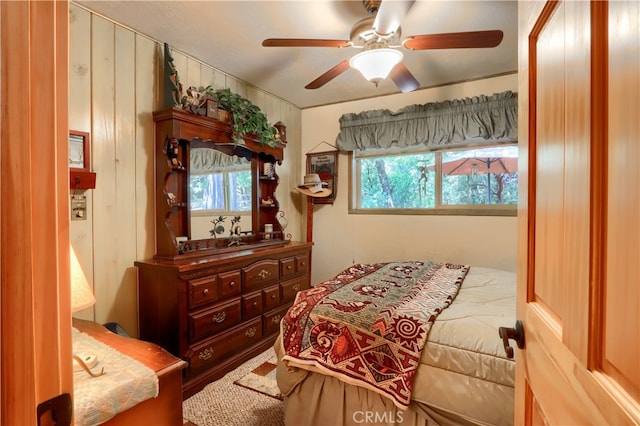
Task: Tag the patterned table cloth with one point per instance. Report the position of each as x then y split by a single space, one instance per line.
125 382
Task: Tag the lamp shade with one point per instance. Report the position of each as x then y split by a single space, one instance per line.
81 295
376 64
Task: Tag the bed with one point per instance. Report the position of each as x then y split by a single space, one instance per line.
462 375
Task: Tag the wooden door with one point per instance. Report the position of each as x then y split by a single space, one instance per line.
579 233
35 337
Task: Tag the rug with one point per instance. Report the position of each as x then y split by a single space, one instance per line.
262 379
221 403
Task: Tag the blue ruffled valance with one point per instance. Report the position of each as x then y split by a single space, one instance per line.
434 125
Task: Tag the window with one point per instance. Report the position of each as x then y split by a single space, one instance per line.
220 192
479 181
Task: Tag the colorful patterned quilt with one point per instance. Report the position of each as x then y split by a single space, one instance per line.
368 325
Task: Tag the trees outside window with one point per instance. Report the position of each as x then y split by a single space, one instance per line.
223 193
473 181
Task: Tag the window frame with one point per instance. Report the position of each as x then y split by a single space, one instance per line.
439 209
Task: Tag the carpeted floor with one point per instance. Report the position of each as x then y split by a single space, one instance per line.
221 403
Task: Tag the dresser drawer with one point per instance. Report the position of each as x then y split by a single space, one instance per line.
260 273
271 297
271 320
302 264
251 305
202 291
287 267
229 283
212 320
292 287
207 353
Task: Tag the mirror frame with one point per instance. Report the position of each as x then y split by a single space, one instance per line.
176 131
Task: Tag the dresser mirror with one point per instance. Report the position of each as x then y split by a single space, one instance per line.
219 191
211 193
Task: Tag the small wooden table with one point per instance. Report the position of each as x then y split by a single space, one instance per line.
166 408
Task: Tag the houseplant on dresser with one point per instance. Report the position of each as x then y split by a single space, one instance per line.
246 117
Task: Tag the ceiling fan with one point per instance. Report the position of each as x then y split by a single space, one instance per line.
379 36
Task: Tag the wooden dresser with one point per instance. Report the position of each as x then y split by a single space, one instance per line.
217 311
216 301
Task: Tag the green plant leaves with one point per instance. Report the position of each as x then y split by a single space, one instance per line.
247 117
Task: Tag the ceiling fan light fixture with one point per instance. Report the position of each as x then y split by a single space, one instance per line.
376 64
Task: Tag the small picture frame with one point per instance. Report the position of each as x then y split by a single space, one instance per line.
79 157
325 164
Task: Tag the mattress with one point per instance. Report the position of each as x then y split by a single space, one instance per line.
464 375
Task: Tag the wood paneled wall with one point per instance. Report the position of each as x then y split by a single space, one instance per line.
115 83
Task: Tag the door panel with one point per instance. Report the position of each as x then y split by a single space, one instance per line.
549 170
579 214
621 349
35 302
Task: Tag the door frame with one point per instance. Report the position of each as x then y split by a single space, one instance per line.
35 329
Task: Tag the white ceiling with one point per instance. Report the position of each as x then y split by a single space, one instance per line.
228 35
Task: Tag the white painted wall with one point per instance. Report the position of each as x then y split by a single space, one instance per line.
342 239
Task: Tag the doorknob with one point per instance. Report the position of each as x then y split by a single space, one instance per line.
516 333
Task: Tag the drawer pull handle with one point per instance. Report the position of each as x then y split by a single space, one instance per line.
273 296
275 319
289 267
296 287
264 274
232 283
206 354
254 304
219 317
250 332
205 291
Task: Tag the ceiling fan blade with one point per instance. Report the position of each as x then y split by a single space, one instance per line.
390 15
329 75
304 42
469 39
403 78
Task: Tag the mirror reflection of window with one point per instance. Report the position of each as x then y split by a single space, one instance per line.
207 191
240 197
219 183
222 191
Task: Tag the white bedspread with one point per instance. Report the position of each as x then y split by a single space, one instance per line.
467 368
464 375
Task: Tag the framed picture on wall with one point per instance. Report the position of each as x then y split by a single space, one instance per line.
325 164
79 150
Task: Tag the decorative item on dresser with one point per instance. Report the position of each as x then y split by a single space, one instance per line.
215 301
